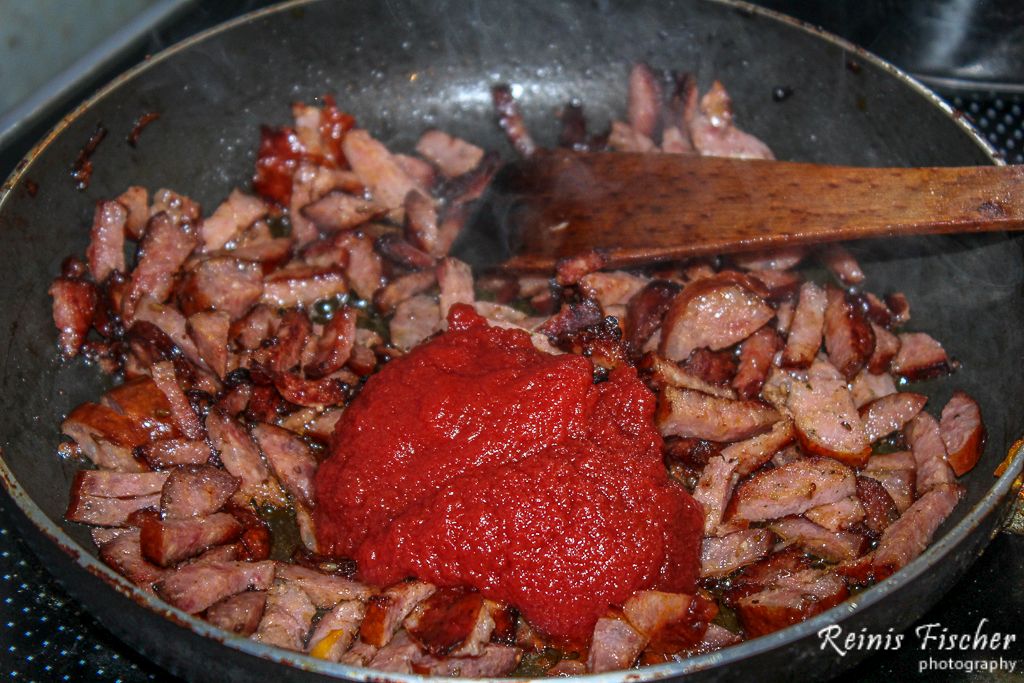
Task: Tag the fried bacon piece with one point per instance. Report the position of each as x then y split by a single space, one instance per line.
74 304
455 279
792 489
162 252
570 270
395 292
713 490
453 156
185 418
221 283
339 210
301 285
334 347
722 556
105 436
136 200
106 245
451 622
688 413
615 288
756 353
142 402
878 508
624 138
124 554
887 345
664 372
963 432
289 458
196 491
415 319
839 515
377 169
325 590
239 614
713 133
102 510
230 219
897 473
242 459
169 541
888 414
196 586
849 339
209 332
805 331
867 387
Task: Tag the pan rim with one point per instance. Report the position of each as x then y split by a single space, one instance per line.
934 553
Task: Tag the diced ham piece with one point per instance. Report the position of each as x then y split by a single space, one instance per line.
511 120
239 614
800 597
303 285
179 208
792 489
713 490
162 252
118 484
338 210
849 338
651 611
289 458
386 612
287 618
615 645
842 264
167 453
171 322
105 436
124 554
209 331
826 420
169 541
712 313
136 200
888 414
805 331
722 556
688 413
403 288
713 133
908 536
834 546
756 354
963 432
867 387
754 452
196 586
877 506
196 491
453 156
325 590
107 511
414 320
106 245
887 345
221 283
455 279
185 417
924 437
839 515
242 459
920 357
644 105
74 304
897 474
228 220
336 630
377 169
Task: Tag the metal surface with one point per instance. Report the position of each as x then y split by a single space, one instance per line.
404 68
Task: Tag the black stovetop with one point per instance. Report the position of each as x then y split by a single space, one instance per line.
46 636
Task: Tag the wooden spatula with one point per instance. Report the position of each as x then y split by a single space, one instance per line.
639 208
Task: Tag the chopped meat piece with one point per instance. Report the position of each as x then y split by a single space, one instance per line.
805 331
455 279
359 654
570 270
453 156
924 437
879 509
338 210
451 622
74 304
615 645
963 432
826 420
887 345
777 258
169 541
145 405
415 319
897 472
287 618
842 264
421 226
572 318
228 220
756 353
167 453
162 252
624 138
136 200
239 614
107 484
875 309
124 554
105 436
336 630
250 331
713 490
665 372
308 185
908 536
867 387
325 590
711 313
284 351
713 133
834 546
611 289
804 595
849 338
754 452
675 141
106 244
335 344
688 413
303 285
209 331
722 556
511 120
270 252
221 283
386 612
397 656
649 612
196 491
196 586
290 459
377 169
395 292
646 309
920 357
888 414
179 208
242 459
900 307
318 393
792 489
185 417
106 511
400 251
171 322
495 660
644 100
839 515
421 172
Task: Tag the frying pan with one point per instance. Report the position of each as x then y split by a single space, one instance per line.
401 66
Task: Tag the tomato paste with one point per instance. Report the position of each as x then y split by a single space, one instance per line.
477 460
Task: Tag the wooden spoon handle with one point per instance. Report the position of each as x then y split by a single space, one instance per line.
644 207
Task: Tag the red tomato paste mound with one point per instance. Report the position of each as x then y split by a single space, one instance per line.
477 460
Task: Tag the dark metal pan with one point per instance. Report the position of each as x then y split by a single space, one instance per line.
402 65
